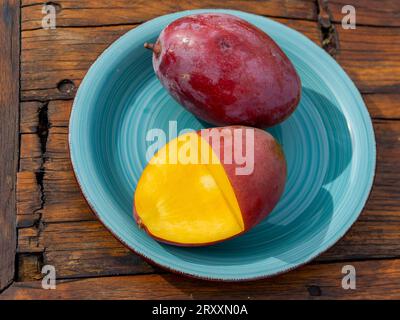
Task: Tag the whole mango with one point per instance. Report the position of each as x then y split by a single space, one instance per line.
226 71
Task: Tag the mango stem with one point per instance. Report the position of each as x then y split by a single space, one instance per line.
156 48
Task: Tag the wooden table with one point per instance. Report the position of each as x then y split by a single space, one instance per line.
44 218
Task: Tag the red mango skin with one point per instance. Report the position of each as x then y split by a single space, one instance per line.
226 71
259 192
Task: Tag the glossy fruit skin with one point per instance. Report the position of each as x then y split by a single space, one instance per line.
226 71
259 192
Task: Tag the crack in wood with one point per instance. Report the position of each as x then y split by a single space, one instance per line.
43 128
329 36
25 263
43 133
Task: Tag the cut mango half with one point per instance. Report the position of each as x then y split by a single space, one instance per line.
185 197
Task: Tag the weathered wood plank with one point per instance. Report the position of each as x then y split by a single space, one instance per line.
90 241
368 12
29 116
80 249
50 56
64 200
375 279
368 54
9 115
99 13
28 199
54 62
371 56
380 106
59 112
376 234
383 106
97 262
29 267
32 149
82 235
30 153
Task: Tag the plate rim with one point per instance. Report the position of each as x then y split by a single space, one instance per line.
332 62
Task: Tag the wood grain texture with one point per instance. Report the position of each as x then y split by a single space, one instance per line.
59 112
29 116
9 114
50 57
56 225
56 157
80 249
380 106
383 106
368 12
100 13
375 235
28 199
371 56
64 200
29 267
308 282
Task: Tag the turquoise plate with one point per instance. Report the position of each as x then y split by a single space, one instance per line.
329 145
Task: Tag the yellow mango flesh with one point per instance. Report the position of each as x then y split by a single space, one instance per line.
187 200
